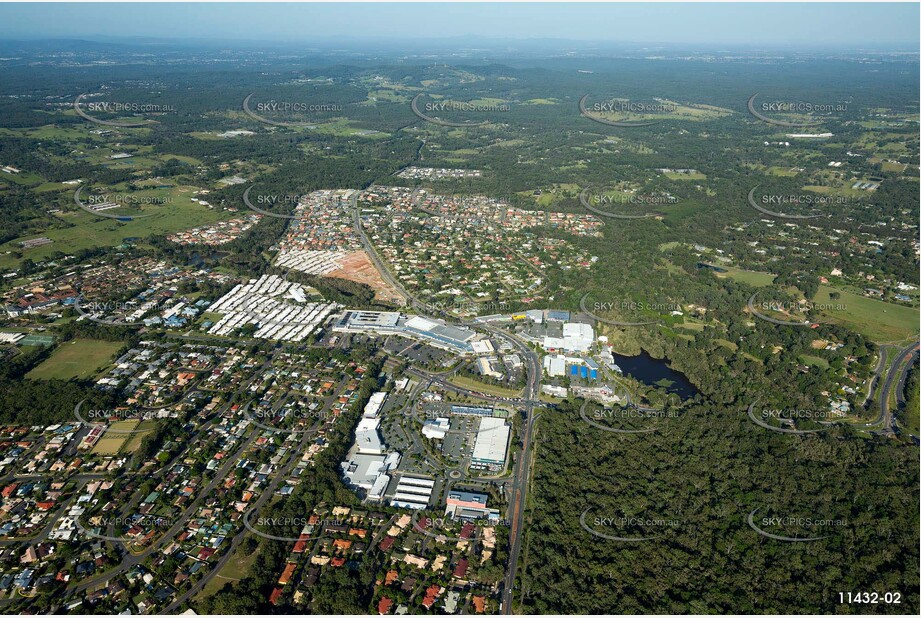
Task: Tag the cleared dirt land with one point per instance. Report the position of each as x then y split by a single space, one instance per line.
357 266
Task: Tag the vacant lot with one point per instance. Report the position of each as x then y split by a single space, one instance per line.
79 358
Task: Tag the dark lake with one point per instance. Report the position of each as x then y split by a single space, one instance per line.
198 260
701 265
655 372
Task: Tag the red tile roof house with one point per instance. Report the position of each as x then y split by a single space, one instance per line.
276 594
431 595
384 606
460 571
300 547
386 543
288 572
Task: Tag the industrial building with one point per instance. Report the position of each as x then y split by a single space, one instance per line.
413 492
440 334
577 337
362 470
555 365
491 444
374 405
471 410
554 391
368 462
468 505
486 365
361 321
436 429
437 333
367 437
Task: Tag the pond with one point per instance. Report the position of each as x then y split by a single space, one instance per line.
656 372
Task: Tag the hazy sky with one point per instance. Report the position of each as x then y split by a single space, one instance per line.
852 25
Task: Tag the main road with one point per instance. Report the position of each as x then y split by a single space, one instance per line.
898 372
896 378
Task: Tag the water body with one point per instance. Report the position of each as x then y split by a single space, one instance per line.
702 265
656 372
197 260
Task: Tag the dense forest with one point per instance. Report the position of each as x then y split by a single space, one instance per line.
707 470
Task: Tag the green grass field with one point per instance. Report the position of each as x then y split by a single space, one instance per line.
111 443
79 358
751 277
91 231
880 321
480 387
237 568
813 361
135 439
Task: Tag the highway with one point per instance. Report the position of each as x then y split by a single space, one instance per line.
898 372
519 487
875 378
896 379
